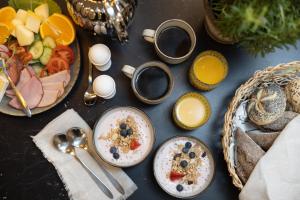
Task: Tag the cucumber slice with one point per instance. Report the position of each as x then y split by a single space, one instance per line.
34 61
37 69
36 50
37 37
49 42
46 56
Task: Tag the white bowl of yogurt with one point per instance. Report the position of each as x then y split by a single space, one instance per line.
184 167
124 136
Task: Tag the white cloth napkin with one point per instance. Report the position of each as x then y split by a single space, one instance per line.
277 174
78 183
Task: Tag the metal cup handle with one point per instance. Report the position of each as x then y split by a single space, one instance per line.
128 71
149 35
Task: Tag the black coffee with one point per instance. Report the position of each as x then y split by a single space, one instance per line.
174 42
152 83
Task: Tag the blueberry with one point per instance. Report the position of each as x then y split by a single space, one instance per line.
123 132
192 155
178 155
188 145
183 163
129 131
190 182
113 150
185 150
116 156
179 188
203 154
123 126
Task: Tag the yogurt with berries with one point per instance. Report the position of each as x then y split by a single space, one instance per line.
124 136
184 167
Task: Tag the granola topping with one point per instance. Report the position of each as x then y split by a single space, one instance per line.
124 136
183 167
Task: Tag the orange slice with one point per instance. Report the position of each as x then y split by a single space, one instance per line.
7 14
4 33
60 28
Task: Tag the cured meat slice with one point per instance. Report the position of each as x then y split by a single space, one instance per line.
55 86
14 69
32 92
31 71
49 98
24 78
63 76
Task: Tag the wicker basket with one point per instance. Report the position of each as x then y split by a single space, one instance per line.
280 74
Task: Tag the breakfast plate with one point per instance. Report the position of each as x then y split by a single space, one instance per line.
40 57
74 72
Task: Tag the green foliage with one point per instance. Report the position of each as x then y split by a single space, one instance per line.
32 4
259 25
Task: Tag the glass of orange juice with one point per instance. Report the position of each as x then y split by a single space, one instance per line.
209 69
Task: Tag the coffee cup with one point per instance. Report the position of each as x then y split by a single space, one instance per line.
152 82
174 40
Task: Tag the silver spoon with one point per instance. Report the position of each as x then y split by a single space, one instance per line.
90 97
61 142
78 138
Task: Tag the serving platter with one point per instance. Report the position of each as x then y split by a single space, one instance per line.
74 71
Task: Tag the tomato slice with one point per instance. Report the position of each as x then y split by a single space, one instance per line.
65 53
57 64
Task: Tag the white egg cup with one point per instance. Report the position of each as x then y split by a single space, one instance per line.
104 67
109 94
100 56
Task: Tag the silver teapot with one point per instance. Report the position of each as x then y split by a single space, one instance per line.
108 17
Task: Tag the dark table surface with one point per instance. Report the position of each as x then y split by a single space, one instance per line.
26 175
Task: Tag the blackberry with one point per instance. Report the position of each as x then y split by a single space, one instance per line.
116 156
185 150
192 155
129 131
123 132
179 188
184 164
188 145
123 126
113 150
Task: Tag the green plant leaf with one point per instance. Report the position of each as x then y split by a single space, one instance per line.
260 26
32 4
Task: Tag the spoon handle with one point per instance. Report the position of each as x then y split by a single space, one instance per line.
112 179
99 183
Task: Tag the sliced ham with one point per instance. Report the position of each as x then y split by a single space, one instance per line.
31 71
14 68
32 92
49 98
4 48
55 86
25 76
63 76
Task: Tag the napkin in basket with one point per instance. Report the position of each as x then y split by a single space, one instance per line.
78 183
276 176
